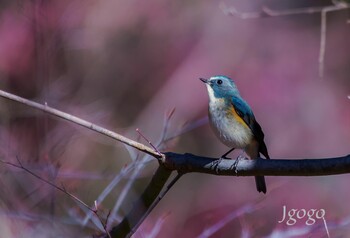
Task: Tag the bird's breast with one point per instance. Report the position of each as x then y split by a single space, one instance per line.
228 126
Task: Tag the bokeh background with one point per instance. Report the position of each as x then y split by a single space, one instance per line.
125 65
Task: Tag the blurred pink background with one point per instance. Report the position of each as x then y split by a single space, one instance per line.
123 65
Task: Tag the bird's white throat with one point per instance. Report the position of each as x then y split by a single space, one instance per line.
211 93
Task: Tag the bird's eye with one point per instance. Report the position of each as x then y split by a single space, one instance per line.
219 81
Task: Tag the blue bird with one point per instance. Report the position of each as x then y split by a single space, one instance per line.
233 121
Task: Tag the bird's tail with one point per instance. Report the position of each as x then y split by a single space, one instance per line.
260 184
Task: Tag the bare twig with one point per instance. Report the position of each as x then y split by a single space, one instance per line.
234 12
268 12
326 227
322 43
136 165
140 163
148 141
210 231
275 13
154 204
323 36
126 188
142 204
108 189
62 189
94 219
81 122
157 226
167 119
189 127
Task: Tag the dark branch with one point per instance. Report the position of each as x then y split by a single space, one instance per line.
186 163
142 205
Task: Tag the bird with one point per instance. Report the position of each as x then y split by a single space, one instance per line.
233 121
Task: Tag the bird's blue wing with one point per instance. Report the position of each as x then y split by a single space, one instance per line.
245 112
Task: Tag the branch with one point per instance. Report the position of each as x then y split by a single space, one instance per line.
244 210
155 201
81 122
186 163
131 221
267 12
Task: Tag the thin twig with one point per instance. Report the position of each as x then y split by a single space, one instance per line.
148 141
126 188
167 119
275 13
154 204
326 227
210 231
140 164
189 127
94 219
268 12
322 43
141 206
109 188
62 189
234 12
157 226
323 35
84 123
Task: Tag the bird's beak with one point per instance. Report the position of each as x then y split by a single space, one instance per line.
203 80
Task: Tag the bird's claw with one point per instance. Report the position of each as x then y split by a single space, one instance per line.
216 164
235 164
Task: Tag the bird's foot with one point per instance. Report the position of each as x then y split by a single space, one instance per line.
226 154
235 164
216 164
224 157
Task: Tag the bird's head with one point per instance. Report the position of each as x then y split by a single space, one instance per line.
220 86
